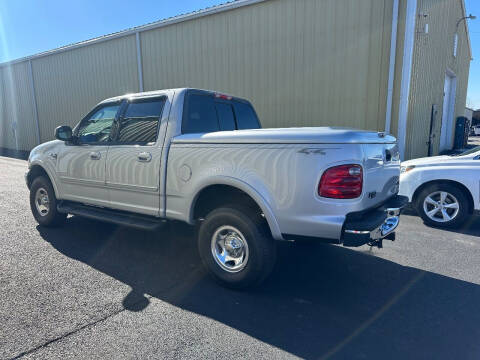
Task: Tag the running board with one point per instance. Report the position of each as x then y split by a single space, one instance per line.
143 222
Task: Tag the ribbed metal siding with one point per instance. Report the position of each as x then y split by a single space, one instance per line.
69 84
4 126
17 124
301 62
433 53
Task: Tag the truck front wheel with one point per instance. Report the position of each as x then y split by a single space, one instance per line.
236 247
44 203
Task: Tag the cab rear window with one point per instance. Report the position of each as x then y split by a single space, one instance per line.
245 116
204 113
226 118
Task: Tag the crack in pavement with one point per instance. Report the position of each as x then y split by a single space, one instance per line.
175 289
61 337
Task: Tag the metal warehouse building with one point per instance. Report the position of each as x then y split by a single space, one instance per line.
395 65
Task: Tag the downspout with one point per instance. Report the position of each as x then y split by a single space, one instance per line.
391 69
410 20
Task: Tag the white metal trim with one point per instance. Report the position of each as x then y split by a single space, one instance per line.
391 70
410 23
462 2
451 108
158 24
139 62
34 99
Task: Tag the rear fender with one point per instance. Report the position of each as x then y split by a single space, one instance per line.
246 188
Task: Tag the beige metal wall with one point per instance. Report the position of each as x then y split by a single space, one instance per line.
301 62
68 84
17 125
433 54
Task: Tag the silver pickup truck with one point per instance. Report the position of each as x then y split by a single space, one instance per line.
201 157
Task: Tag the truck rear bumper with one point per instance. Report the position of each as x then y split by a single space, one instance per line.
370 227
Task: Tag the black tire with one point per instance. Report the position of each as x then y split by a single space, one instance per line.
51 217
261 246
463 205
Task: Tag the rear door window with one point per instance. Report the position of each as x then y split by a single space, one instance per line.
245 115
139 124
200 115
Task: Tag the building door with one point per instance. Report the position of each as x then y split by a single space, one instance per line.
449 89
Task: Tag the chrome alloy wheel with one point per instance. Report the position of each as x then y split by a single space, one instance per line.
229 249
441 206
42 202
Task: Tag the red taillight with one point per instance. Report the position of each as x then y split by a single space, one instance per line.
223 96
341 182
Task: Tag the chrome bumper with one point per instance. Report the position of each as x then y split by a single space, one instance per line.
388 227
375 225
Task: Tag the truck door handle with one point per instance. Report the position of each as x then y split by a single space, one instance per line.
144 157
95 155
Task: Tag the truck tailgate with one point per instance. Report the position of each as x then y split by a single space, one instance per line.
381 173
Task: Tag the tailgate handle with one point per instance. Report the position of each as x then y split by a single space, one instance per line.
388 156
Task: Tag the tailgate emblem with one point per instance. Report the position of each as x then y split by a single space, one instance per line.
372 194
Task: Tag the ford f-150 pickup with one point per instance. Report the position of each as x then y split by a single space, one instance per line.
201 157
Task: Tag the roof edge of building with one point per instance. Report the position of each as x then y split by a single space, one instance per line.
150 26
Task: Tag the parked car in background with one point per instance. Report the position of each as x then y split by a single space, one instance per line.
201 157
475 130
445 190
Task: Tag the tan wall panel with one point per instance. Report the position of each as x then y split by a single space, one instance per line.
301 62
68 84
397 83
433 54
4 126
17 124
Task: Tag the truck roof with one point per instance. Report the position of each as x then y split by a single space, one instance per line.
140 94
158 92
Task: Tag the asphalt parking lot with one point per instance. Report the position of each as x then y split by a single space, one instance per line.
91 290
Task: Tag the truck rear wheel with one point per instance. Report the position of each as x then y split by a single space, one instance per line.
43 203
236 248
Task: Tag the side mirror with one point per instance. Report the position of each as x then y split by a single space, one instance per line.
64 133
